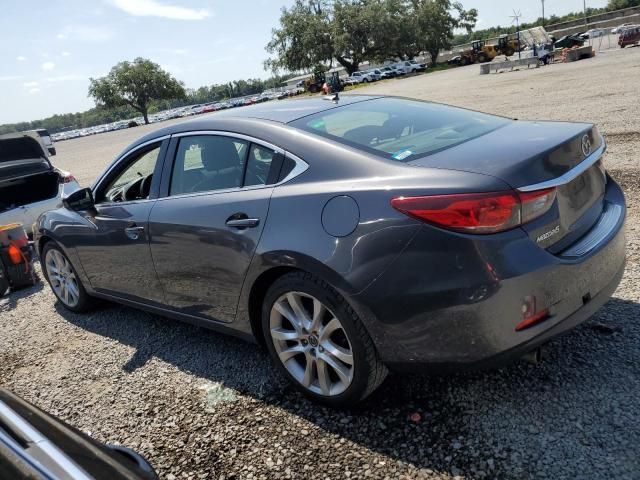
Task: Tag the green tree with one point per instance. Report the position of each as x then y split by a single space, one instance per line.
303 40
366 30
619 4
436 21
313 33
135 84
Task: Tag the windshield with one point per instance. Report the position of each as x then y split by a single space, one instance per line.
400 129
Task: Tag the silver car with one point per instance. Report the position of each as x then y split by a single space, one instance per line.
29 184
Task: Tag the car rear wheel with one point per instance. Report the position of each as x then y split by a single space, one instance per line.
318 342
64 280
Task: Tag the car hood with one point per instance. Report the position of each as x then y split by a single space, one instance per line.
22 154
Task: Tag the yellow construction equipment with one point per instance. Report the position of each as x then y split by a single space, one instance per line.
481 52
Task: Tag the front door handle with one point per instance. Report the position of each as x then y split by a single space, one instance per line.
243 222
133 232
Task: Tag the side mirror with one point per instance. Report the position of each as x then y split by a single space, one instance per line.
79 200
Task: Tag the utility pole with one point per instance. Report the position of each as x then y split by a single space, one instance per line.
584 6
542 12
516 18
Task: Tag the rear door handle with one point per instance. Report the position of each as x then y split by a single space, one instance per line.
243 222
133 232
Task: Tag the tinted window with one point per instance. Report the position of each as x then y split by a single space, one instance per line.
208 162
400 129
258 165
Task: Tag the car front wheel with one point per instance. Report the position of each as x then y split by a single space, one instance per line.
318 342
64 280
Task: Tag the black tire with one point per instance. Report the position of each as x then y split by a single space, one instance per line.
85 301
4 284
368 371
365 81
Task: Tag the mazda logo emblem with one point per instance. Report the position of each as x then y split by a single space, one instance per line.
586 145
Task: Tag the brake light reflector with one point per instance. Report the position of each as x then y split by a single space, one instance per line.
67 178
487 212
536 203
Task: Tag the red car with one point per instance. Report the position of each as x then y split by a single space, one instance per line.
630 36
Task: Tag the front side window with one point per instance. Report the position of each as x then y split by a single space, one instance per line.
399 129
208 162
134 182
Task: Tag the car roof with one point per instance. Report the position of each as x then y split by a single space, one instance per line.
281 111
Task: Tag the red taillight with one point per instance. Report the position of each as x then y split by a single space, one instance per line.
67 178
478 212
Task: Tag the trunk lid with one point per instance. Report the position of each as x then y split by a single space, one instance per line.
22 154
537 155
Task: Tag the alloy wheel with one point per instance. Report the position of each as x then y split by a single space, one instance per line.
62 279
311 343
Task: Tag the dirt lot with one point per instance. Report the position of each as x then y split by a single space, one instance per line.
201 405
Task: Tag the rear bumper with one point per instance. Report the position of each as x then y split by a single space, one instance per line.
455 305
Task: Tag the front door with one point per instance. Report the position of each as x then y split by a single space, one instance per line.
205 231
114 248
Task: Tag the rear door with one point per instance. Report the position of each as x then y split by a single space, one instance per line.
206 228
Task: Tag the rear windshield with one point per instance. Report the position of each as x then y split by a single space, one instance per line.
400 129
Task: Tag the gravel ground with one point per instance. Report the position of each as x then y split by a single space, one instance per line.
202 405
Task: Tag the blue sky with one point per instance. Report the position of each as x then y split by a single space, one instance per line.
49 49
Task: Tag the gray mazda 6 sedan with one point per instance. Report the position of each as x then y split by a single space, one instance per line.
351 235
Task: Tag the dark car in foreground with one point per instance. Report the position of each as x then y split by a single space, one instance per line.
351 235
35 445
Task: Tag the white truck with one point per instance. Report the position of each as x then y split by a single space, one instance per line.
360 77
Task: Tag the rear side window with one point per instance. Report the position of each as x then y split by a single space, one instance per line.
258 165
208 162
399 129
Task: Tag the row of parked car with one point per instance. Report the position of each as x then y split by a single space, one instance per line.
178 112
629 34
387 71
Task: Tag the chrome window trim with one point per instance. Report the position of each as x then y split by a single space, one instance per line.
239 136
300 167
213 192
571 174
116 162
